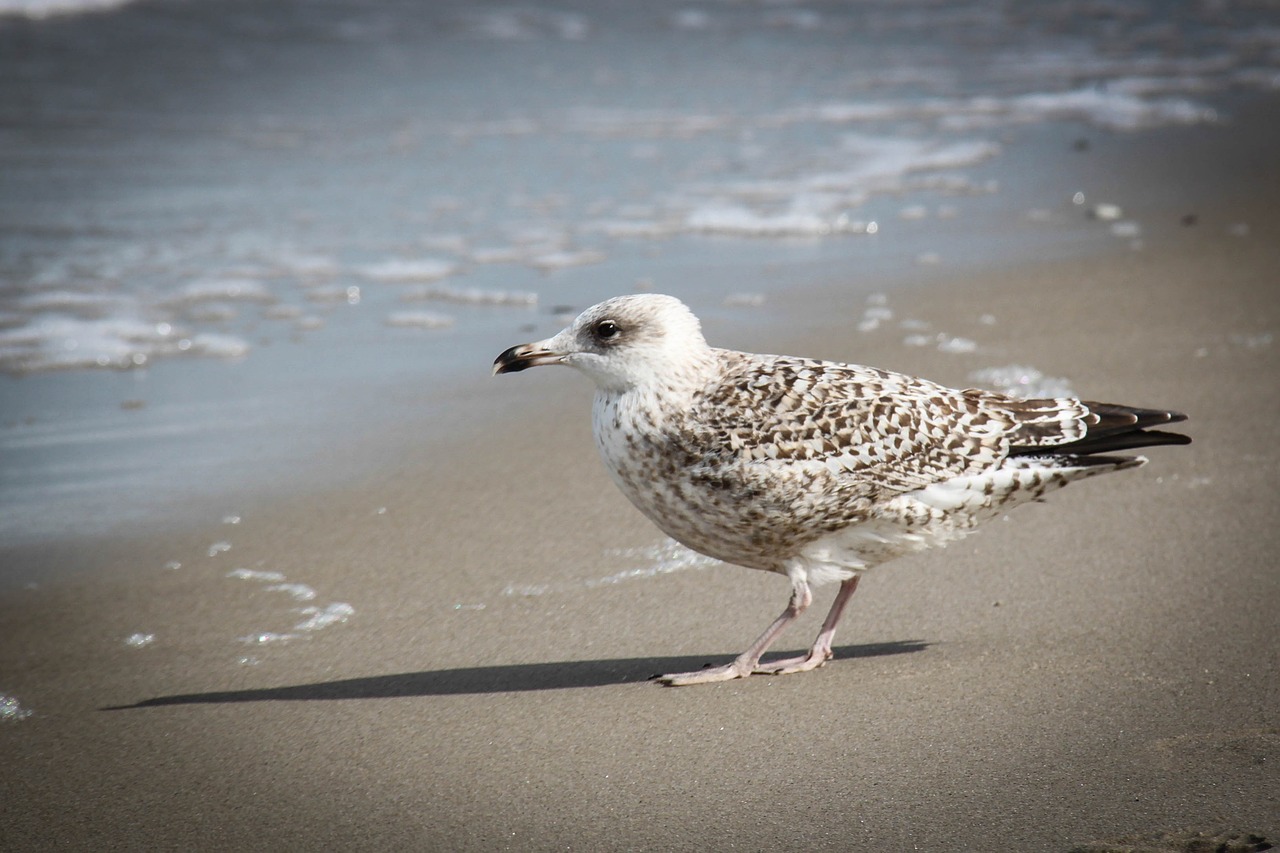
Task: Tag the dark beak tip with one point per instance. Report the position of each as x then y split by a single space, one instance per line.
508 362
500 367
518 358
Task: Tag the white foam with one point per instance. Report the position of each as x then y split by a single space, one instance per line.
419 320
455 243
328 294
1257 78
744 300
795 19
59 342
319 618
470 295
308 267
526 590
873 315
217 345
394 271
942 342
1112 107
137 641
736 220
73 302
1020 380
11 710
663 558
690 19
957 345
211 312
496 255
563 259
282 312
816 200
263 638
527 24
255 575
39 9
631 228
223 290
632 123
539 235
297 591
1251 341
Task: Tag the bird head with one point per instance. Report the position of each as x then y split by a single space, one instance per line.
621 343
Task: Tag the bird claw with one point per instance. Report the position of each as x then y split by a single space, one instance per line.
804 663
727 672
739 669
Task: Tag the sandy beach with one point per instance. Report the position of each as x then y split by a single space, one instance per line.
1097 668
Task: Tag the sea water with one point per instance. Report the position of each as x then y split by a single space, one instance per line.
233 234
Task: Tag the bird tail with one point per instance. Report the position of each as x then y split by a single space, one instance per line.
1111 428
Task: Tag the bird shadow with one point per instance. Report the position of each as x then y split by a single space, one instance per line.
510 678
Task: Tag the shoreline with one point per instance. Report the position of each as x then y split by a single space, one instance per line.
208 435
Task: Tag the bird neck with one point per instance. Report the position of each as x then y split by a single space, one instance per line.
655 397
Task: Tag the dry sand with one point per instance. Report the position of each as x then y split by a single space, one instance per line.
1100 666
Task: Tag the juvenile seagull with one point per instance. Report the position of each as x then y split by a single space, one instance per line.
813 469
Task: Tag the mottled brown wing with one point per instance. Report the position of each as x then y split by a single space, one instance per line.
869 428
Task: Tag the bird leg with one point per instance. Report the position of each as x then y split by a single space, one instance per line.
821 652
749 661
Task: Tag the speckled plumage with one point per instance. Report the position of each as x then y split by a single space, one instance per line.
812 469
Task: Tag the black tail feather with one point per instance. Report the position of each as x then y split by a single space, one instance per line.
1109 443
1116 428
1114 419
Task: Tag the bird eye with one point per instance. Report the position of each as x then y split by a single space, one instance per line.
605 329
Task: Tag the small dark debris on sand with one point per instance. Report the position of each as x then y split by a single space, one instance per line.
1181 842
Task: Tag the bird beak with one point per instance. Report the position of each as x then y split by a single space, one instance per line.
525 356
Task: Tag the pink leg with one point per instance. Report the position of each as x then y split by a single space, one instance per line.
748 662
820 653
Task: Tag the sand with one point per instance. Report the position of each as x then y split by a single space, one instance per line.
1098 667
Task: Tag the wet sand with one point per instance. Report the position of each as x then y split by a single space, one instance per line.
1100 666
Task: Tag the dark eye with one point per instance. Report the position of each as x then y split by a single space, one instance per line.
605 330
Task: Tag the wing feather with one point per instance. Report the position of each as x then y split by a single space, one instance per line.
871 429
800 447
880 430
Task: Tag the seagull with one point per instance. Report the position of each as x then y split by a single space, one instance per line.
816 470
